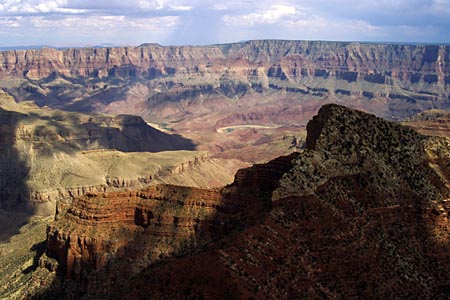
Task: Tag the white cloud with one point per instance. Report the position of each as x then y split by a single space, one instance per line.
162 4
317 27
10 22
269 16
105 22
236 5
36 7
83 6
440 6
216 21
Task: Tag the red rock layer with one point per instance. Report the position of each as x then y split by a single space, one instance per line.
362 213
97 234
433 122
286 58
406 74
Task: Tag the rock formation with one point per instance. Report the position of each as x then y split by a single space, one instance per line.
163 221
431 122
198 91
362 212
409 77
49 155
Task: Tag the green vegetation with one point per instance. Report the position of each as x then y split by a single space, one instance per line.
20 275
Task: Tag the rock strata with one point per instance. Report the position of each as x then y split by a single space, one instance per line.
411 77
90 237
362 212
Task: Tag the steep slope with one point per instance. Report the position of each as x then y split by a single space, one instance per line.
362 212
199 92
19 273
48 155
236 68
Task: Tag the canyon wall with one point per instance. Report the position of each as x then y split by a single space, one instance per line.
361 212
49 155
410 78
376 63
94 237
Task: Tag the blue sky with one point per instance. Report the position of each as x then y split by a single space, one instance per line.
198 22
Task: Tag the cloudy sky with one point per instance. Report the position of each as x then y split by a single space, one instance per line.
175 22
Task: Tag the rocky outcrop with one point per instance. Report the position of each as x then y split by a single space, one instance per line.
431 122
116 183
90 237
362 212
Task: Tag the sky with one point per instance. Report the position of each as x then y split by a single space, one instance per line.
79 23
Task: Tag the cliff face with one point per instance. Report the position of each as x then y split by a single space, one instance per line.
410 77
90 237
277 59
361 212
431 122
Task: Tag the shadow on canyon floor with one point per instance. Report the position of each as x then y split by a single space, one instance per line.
15 210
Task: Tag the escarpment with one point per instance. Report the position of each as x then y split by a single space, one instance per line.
90 237
377 63
431 122
410 78
49 155
362 212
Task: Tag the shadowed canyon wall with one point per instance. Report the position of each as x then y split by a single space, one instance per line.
361 212
48 155
152 225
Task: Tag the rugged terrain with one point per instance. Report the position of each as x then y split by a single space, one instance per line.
191 116
48 155
431 122
200 92
361 212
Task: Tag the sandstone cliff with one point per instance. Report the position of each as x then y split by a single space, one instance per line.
91 236
362 212
410 77
201 92
376 63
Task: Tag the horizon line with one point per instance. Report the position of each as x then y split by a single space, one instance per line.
111 45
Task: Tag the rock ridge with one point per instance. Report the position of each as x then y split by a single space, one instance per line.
362 212
90 236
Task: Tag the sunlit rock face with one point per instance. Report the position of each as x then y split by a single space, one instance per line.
361 212
393 81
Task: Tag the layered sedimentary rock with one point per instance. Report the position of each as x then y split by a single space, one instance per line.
362 212
48 155
431 122
377 63
91 237
400 74
201 92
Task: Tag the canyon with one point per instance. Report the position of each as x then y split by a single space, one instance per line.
431 122
261 169
49 155
197 90
361 212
